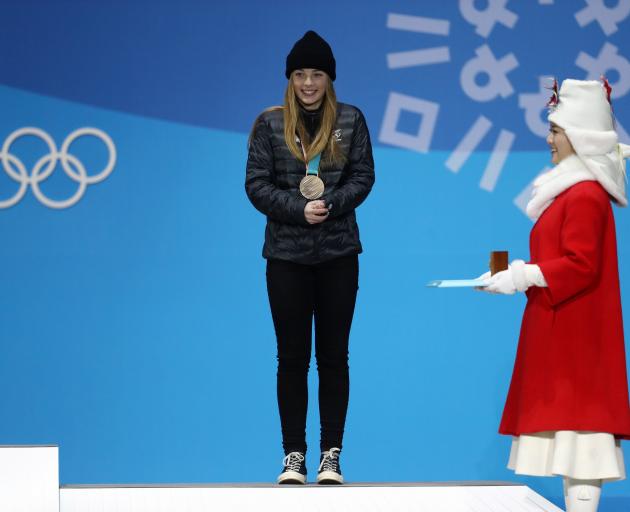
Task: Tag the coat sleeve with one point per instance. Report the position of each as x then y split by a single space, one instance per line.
361 172
581 238
276 203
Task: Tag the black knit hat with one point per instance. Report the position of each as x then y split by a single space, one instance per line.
311 52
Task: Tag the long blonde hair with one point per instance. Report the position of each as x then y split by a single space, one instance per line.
323 142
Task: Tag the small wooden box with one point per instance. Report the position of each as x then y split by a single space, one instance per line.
498 261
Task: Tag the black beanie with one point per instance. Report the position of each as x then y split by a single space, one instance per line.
311 52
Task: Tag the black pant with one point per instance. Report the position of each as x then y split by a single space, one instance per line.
297 292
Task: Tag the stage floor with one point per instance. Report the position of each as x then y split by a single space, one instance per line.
364 497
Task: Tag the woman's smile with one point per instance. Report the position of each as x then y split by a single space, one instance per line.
309 86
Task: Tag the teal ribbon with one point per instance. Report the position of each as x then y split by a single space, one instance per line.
313 165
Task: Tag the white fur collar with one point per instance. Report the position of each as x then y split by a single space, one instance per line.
549 185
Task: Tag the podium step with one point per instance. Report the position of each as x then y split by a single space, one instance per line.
360 497
29 478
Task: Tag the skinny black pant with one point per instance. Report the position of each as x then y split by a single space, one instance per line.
297 294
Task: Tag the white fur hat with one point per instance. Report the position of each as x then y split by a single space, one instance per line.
584 112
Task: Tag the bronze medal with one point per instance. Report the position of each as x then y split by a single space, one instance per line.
312 187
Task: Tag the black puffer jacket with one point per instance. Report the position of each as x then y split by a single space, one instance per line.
272 185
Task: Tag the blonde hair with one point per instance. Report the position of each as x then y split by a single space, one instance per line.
323 142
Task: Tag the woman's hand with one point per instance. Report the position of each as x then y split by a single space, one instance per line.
315 212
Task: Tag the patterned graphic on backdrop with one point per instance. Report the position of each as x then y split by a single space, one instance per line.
486 77
74 169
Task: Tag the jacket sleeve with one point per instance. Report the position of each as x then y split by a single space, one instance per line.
581 238
361 172
276 203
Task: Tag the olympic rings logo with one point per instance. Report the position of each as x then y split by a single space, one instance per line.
45 166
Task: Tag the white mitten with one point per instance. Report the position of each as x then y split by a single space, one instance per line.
525 276
518 277
485 276
502 282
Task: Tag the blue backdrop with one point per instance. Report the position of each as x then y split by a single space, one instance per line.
134 327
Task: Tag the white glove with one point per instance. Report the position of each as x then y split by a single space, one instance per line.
502 282
518 277
486 276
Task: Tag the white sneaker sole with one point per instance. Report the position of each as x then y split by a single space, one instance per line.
291 477
329 477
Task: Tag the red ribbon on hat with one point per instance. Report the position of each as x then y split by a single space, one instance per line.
607 87
555 97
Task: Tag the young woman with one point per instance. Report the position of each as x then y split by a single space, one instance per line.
567 406
309 166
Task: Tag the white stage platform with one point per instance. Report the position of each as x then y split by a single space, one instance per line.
29 482
372 497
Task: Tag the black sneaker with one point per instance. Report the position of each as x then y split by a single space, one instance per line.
329 468
294 471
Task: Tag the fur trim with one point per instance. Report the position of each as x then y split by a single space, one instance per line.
547 186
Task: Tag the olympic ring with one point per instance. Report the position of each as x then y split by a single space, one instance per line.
44 167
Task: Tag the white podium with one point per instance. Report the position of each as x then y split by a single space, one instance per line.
29 478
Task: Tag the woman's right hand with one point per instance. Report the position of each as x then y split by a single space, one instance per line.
315 212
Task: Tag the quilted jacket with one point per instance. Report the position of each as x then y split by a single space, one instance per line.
272 184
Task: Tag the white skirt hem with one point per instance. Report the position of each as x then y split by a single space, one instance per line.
577 455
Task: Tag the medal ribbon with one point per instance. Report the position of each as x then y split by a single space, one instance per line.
312 166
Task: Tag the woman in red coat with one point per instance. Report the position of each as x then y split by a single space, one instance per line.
567 406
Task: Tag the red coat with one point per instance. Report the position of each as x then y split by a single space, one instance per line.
570 368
